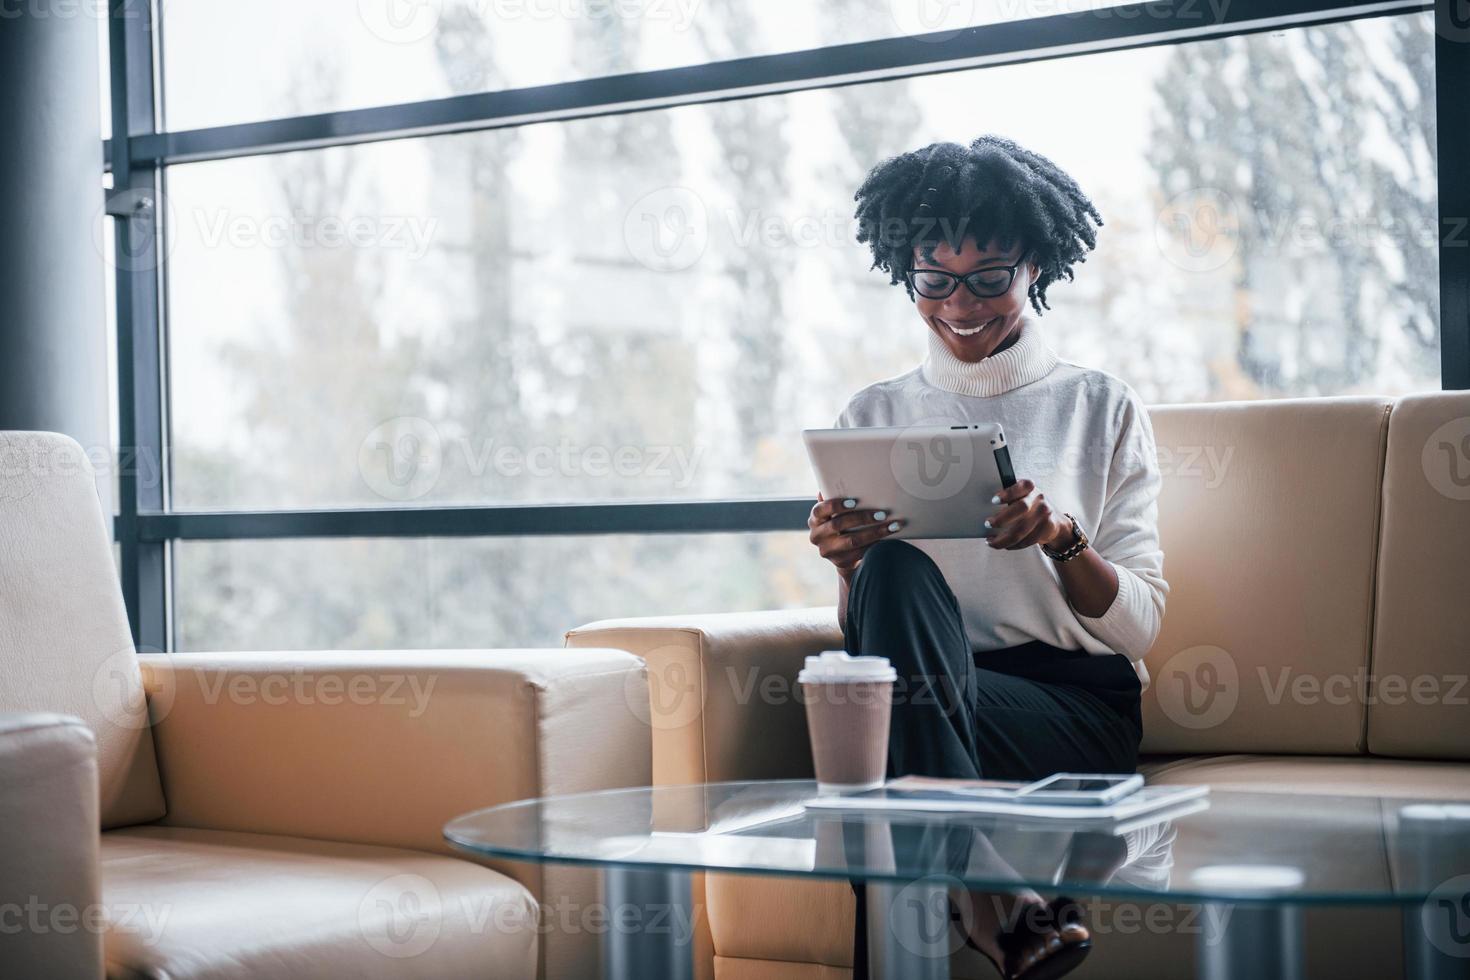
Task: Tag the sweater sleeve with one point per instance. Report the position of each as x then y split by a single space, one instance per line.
1127 536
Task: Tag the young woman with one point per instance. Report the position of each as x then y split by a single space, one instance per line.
1020 654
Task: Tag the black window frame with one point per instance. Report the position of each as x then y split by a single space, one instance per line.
139 153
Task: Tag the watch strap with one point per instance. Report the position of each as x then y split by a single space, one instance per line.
1078 545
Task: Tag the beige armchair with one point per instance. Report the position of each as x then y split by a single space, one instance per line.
270 814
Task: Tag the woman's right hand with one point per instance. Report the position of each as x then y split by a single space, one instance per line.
832 525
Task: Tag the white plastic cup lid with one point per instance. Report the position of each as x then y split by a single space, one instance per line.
837 665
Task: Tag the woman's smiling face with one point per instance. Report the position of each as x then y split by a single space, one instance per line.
970 326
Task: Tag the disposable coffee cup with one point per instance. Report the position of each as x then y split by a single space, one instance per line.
849 703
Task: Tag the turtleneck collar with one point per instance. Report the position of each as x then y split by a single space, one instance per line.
1028 359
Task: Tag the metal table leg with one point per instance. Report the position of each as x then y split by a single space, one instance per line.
1437 935
1432 852
1255 941
1258 935
650 924
909 932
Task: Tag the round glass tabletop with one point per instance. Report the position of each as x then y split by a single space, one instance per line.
1259 846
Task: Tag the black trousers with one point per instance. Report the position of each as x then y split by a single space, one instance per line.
1019 713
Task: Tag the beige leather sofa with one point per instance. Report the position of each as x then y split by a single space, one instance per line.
1316 640
269 814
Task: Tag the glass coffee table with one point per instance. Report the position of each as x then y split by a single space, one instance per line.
1252 861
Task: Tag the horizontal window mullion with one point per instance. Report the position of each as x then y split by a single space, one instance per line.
1059 35
785 514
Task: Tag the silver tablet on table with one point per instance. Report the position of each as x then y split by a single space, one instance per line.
937 478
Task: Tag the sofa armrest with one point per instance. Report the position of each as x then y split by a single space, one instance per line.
52 921
722 689
384 747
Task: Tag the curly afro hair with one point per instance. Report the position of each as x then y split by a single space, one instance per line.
991 190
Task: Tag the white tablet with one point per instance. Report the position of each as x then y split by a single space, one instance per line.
937 478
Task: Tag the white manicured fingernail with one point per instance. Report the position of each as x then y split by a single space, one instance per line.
849 502
995 499
987 523
893 526
879 515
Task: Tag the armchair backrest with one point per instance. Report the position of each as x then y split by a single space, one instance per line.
65 645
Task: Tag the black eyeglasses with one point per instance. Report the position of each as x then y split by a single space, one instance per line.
938 284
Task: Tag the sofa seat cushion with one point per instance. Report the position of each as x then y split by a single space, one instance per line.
185 903
1330 775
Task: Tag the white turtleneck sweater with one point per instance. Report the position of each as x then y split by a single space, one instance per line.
1083 437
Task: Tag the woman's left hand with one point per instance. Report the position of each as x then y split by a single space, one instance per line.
1026 518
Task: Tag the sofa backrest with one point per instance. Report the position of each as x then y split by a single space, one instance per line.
1419 700
1269 522
65 645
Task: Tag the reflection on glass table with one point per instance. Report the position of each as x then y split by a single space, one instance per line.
1253 860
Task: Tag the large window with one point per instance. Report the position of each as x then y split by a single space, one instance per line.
649 306
227 63
396 593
